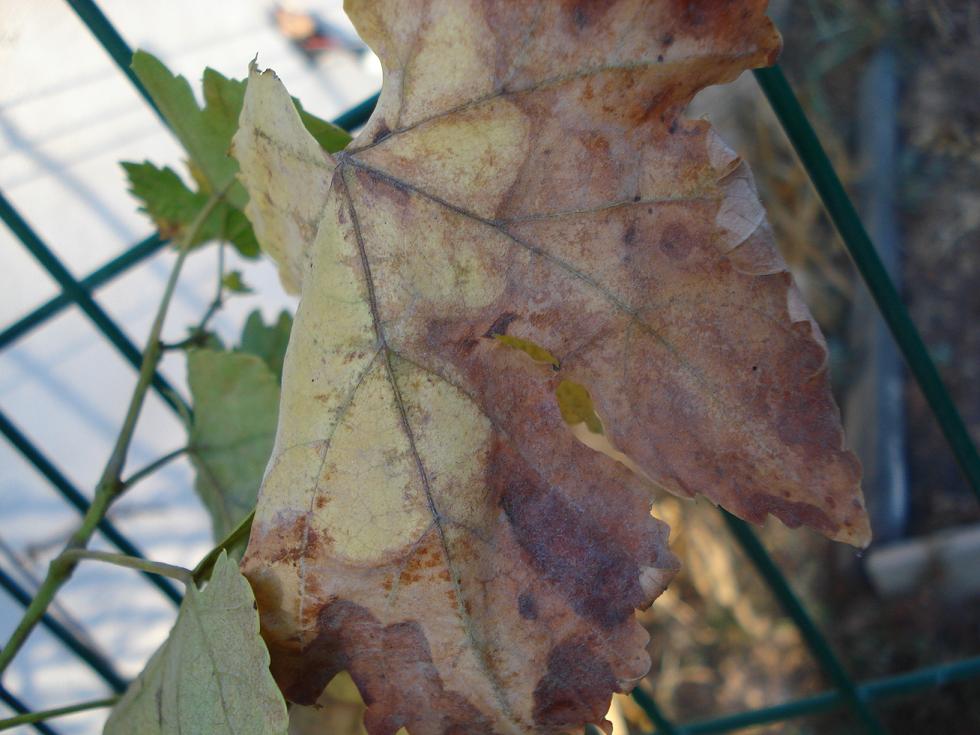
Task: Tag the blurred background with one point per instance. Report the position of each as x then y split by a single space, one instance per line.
892 88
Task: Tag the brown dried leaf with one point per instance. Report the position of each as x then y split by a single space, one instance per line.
428 520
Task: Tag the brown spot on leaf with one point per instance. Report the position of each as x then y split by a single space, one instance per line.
381 133
597 577
629 237
584 13
576 688
794 514
500 324
527 607
351 638
676 242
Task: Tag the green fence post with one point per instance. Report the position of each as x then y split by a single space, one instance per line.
889 686
649 706
20 708
119 51
120 264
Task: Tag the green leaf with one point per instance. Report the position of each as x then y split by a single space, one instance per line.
164 196
329 136
267 342
205 134
236 403
232 281
238 231
211 675
224 98
173 206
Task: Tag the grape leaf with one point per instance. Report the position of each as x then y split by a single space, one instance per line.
205 134
233 282
531 292
268 342
235 395
236 399
338 711
173 206
211 675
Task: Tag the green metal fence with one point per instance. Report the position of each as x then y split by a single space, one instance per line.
858 698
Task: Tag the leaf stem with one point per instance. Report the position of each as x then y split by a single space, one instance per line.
151 468
132 562
29 718
203 569
198 335
110 486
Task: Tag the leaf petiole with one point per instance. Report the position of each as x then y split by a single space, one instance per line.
132 562
203 569
151 468
29 718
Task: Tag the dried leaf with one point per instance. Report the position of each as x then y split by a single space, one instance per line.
211 676
430 520
338 711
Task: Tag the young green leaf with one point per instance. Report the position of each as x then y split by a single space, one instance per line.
232 281
212 673
164 196
205 134
173 206
267 342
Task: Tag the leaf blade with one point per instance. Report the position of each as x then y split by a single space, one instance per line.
236 399
427 491
211 675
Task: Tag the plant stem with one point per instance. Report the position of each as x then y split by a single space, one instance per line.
198 335
110 485
31 717
132 562
151 468
203 569
219 295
